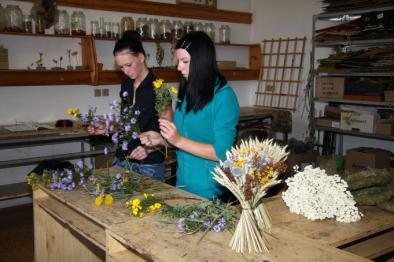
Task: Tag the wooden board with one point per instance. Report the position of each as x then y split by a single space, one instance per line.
15 191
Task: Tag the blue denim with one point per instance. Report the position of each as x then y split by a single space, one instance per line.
155 171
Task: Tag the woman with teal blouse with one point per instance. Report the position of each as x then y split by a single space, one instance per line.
205 119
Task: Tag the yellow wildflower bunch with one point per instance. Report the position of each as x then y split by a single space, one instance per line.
164 95
140 207
107 199
73 111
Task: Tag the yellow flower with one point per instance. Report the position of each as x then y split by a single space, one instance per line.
108 200
157 205
141 214
174 90
239 162
135 211
73 111
145 195
99 200
158 83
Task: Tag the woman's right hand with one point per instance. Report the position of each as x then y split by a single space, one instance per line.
97 130
151 139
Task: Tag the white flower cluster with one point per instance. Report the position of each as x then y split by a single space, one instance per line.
315 195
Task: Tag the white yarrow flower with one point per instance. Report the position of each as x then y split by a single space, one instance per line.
315 195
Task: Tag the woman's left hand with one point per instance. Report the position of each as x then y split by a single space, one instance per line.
169 131
139 153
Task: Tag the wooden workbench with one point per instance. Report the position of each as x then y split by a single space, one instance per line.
69 227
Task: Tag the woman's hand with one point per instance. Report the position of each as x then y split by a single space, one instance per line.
97 130
151 139
139 153
169 131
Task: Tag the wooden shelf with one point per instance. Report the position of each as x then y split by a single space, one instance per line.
161 9
355 133
42 35
45 77
108 77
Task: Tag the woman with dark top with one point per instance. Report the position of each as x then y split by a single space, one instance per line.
205 119
137 89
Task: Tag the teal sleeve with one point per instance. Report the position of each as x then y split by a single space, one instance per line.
226 109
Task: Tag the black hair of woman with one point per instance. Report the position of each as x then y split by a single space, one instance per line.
131 41
199 87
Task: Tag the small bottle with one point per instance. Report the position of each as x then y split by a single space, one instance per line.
177 29
153 29
62 23
14 18
224 34
27 24
3 19
126 24
40 23
210 30
165 30
78 23
94 28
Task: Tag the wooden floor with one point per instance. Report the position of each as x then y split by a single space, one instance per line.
16 234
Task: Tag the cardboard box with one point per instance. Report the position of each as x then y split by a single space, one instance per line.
363 157
385 129
389 96
358 121
330 87
327 121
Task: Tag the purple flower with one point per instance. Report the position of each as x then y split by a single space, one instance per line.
84 117
137 112
79 164
127 127
194 215
118 176
115 138
181 224
89 166
133 121
125 94
125 146
105 151
217 228
207 224
114 104
112 187
125 110
134 135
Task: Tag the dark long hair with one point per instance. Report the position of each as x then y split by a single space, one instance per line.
131 41
203 76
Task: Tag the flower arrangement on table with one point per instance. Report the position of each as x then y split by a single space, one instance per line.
203 216
165 94
316 195
249 171
105 186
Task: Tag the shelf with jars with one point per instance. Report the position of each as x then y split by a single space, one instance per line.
73 25
161 9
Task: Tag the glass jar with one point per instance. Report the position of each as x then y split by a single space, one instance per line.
126 24
3 19
188 27
78 23
198 26
177 29
116 30
27 24
62 23
153 30
108 30
224 34
94 28
14 18
165 30
210 30
142 27
40 23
